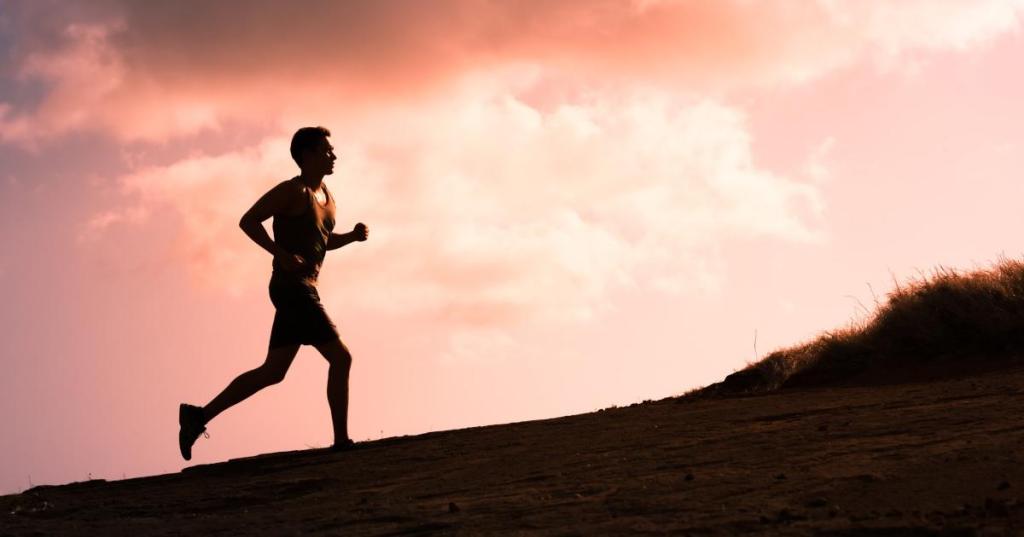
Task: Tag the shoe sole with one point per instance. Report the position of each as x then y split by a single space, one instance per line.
181 423
348 446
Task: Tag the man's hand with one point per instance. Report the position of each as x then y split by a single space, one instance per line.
360 232
292 262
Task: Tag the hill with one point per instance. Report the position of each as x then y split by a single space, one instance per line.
927 458
934 327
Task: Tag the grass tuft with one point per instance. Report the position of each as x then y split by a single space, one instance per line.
949 323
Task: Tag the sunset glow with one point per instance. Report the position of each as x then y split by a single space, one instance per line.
573 204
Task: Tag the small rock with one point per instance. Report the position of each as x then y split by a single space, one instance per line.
1003 485
452 508
823 427
689 477
780 477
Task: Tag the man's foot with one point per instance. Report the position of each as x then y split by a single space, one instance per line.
193 424
344 445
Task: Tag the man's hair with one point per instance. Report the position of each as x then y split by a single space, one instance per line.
307 138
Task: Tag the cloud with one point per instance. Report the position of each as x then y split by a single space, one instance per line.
96 224
472 347
154 71
209 194
894 27
486 212
517 161
81 75
816 164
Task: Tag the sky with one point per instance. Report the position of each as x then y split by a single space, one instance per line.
572 205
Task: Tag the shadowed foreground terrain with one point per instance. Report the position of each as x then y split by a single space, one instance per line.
926 458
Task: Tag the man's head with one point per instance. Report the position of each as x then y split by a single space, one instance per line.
312 152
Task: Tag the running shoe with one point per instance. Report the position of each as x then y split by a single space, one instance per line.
193 424
344 445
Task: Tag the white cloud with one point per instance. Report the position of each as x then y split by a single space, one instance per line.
485 212
210 194
95 226
932 24
816 164
478 346
897 34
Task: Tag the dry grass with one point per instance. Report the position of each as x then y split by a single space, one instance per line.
947 323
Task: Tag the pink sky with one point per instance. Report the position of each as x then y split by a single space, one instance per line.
572 205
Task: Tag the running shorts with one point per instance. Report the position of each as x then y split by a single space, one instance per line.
299 319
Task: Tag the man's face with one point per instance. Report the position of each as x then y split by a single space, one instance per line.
320 159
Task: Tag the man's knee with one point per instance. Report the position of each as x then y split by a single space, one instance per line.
272 375
336 353
342 356
278 361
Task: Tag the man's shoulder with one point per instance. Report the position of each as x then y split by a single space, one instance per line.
293 191
289 185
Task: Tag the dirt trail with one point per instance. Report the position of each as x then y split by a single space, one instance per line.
934 458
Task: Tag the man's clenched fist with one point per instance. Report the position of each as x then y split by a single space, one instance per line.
360 232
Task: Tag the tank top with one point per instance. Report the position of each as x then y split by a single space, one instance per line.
305 234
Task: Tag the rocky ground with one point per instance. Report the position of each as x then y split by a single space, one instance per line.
927 458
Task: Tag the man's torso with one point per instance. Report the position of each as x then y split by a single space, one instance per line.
304 230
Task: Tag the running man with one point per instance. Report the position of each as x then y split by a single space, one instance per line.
303 211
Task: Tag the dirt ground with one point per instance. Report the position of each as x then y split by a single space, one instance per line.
931 458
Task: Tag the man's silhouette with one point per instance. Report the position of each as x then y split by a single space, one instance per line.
303 211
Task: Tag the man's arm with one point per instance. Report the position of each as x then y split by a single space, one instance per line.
337 240
277 201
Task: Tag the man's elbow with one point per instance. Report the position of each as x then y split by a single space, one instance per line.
247 221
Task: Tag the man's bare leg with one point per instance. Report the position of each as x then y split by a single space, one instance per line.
272 371
340 361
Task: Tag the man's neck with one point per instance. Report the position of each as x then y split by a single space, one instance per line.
311 180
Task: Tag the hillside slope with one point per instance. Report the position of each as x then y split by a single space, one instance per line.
940 457
949 324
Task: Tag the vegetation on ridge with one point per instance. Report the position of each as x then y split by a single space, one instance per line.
949 322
